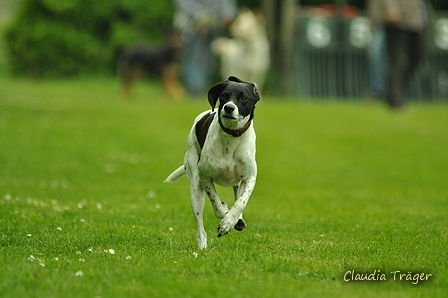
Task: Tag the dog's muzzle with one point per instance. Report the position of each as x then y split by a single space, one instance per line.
229 111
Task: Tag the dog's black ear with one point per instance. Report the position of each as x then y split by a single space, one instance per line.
214 92
255 90
235 79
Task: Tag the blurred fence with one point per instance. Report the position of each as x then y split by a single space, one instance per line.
331 59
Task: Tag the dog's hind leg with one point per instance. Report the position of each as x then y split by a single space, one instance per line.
241 224
126 84
128 80
171 83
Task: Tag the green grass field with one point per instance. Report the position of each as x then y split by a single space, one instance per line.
341 186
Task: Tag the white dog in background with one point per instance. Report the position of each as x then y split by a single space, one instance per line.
247 54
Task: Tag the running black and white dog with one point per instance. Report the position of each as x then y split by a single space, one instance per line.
221 150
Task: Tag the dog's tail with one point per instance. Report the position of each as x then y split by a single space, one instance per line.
176 175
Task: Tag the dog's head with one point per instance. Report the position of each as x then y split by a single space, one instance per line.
237 101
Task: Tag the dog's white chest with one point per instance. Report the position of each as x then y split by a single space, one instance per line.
227 161
222 173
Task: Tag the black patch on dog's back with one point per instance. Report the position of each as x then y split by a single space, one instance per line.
202 127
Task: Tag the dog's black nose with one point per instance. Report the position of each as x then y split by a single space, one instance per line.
229 109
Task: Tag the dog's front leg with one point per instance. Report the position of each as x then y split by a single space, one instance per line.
220 208
197 198
231 218
197 195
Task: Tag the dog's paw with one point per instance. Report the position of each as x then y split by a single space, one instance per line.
202 239
240 225
202 244
223 229
226 224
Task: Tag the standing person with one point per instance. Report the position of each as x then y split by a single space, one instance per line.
405 24
377 49
200 22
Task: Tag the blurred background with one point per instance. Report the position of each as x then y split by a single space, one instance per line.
317 48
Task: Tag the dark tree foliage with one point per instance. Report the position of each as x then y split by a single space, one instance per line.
71 37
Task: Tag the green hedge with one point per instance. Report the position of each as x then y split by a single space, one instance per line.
72 37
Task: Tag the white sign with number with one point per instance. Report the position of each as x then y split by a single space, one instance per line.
360 34
441 33
318 33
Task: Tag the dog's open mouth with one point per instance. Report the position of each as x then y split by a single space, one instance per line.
230 117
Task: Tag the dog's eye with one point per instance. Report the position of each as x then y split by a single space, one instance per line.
243 97
224 96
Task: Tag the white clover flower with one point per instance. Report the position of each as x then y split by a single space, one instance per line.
128 257
79 273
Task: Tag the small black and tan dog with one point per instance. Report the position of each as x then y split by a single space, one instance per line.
160 62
